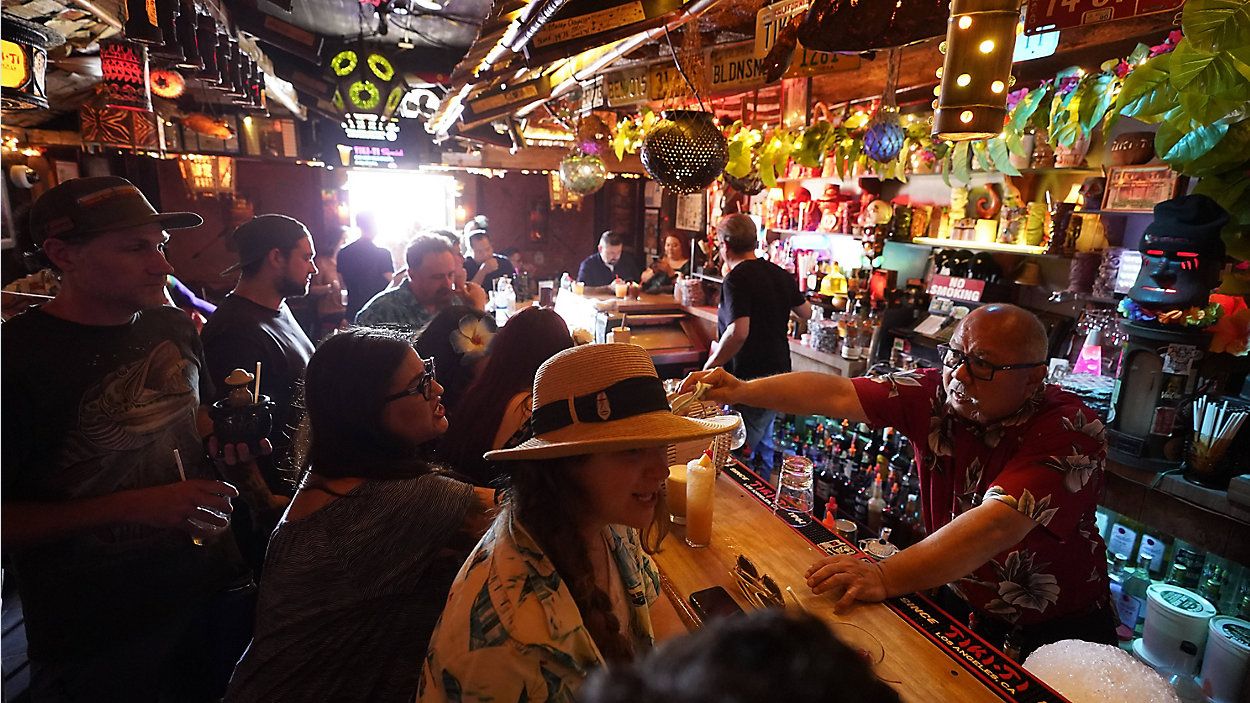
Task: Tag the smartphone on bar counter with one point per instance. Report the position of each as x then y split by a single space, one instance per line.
713 602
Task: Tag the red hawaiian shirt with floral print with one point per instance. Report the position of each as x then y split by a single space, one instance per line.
1045 461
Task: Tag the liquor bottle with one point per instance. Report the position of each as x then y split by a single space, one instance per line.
1186 568
875 507
909 523
848 331
824 487
1134 587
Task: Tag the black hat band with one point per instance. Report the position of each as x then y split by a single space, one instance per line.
626 398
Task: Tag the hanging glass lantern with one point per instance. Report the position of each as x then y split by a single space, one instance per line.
185 29
143 24
972 99
25 50
167 83
686 151
167 15
885 136
206 40
125 67
583 173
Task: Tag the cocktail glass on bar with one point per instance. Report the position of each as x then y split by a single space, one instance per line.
675 491
700 493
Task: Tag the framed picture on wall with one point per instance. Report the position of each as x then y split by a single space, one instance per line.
651 229
690 212
65 170
651 193
1138 188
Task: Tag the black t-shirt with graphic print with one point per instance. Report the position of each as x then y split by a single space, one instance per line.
90 411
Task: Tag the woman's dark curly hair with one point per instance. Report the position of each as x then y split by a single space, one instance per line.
549 504
768 655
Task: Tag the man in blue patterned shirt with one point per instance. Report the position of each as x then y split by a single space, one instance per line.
435 282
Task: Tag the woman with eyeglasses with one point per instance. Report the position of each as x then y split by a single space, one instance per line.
359 567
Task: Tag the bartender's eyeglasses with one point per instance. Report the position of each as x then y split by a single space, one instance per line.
760 590
423 385
979 369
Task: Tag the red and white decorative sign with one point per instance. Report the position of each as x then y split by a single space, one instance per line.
1046 15
969 290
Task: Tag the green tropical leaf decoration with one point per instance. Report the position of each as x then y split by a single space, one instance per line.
961 163
1180 139
1216 25
811 145
1097 101
1209 85
1000 154
982 154
1233 153
1025 109
1147 93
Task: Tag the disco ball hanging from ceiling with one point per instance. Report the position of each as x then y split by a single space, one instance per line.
583 173
686 151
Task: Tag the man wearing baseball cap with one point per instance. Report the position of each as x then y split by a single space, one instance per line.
102 385
254 324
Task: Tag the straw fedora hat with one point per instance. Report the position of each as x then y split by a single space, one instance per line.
603 398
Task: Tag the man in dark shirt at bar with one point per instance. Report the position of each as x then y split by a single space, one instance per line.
609 263
757 299
101 385
253 323
365 267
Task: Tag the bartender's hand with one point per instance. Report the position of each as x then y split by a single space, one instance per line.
855 578
724 386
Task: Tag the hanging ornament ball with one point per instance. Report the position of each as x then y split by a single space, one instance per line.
884 138
583 173
686 151
593 136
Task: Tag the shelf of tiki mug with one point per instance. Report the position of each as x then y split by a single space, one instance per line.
1079 170
981 246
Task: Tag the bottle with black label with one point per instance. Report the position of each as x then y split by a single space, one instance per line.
824 487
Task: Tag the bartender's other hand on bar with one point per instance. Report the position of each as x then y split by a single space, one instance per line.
856 579
724 385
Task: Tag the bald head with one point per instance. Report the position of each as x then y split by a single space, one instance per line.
1014 331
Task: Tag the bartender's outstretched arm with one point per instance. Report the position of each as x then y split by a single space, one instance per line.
803 393
949 554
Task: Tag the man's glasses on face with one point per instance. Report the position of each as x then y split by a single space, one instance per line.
979 369
423 386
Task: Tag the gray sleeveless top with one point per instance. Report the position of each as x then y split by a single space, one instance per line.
351 593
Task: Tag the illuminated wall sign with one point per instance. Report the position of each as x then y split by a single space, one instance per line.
370 127
771 19
370 156
1060 14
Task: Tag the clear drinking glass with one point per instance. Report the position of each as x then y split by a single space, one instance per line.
207 528
794 489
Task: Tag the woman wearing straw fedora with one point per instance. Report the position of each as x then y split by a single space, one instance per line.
560 584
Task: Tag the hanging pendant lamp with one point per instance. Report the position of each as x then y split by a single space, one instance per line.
25 63
167 15
686 151
206 40
185 29
972 99
143 23
125 67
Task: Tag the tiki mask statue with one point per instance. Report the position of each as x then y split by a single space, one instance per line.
1182 253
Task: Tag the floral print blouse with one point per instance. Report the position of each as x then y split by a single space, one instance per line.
511 631
1046 461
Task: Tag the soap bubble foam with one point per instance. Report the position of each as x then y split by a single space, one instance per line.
1085 672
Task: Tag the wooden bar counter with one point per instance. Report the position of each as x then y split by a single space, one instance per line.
913 664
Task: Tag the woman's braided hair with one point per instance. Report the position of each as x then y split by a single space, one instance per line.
548 503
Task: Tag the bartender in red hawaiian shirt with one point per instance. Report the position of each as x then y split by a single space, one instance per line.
1010 471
